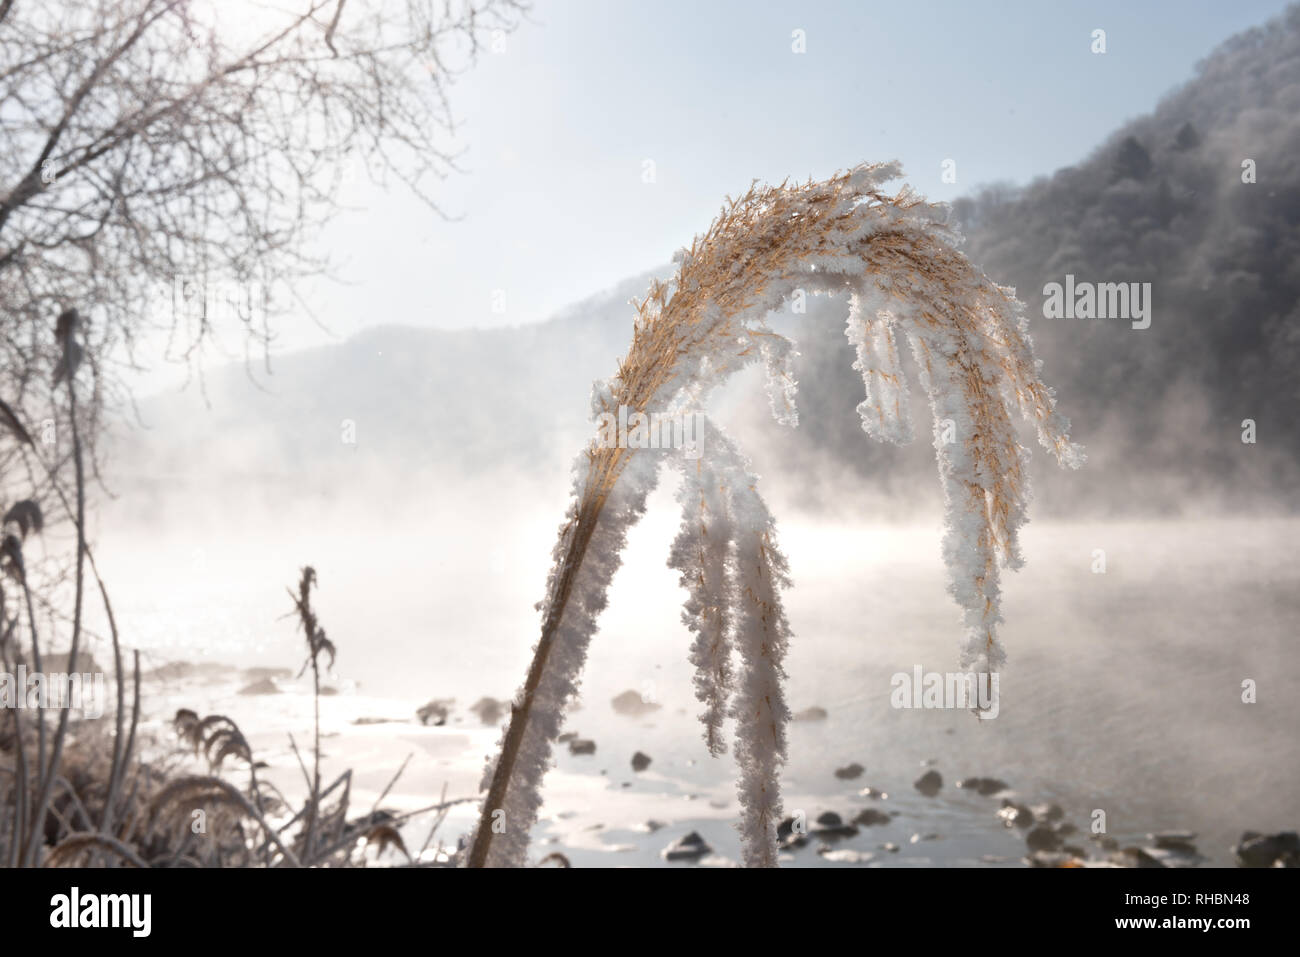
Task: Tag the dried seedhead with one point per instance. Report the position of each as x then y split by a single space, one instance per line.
893 256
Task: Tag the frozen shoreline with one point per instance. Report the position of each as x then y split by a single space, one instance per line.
1123 692
598 811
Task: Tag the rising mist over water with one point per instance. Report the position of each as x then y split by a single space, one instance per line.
421 470
1122 690
432 540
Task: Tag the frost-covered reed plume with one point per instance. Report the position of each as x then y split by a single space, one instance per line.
896 260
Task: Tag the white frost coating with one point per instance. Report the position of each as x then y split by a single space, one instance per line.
778 359
762 636
970 340
748 572
560 679
969 551
895 255
702 553
885 412
972 380
828 264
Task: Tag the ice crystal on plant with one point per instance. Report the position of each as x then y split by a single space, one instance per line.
896 260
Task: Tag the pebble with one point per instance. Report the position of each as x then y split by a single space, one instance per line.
690 847
1042 838
929 783
870 817
631 703
830 824
1268 850
984 786
1015 815
810 714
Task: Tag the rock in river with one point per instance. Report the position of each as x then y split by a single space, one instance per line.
1268 850
1015 815
1184 841
830 824
929 783
983 786
789 838
1042 839
870 817
688 848
490 710
263 686
435 712
810 714
632 704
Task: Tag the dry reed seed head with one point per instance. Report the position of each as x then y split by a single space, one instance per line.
896 257
742 268
759 634
384 836
26 515
703 553
609 496
186 724
172 812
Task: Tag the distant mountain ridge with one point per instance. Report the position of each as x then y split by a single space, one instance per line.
1162 201
401 397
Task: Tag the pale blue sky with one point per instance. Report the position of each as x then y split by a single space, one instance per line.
557 127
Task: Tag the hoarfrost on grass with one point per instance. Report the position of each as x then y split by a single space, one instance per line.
895 257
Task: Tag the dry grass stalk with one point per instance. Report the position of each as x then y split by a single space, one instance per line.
896 259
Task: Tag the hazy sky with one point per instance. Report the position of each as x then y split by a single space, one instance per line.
558 127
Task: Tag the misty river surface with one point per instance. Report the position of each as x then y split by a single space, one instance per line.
1123 692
